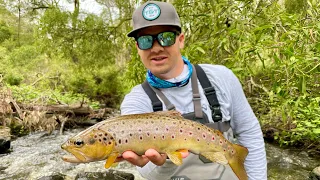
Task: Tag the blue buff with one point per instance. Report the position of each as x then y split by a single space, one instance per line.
159 83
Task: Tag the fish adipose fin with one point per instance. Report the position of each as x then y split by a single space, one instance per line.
111 159
217 157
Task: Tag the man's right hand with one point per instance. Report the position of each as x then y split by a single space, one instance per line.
150 155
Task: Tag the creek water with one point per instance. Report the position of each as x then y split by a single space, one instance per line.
37 155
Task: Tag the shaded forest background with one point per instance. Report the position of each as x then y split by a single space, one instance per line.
50 54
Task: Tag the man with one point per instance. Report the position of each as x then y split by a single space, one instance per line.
157 31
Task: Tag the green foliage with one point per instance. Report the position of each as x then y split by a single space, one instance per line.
5 32
272 46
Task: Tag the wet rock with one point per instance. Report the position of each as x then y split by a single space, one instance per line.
315 174
57 176
5 139
108 175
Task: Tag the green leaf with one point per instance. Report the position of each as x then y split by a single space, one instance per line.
316 131
201 50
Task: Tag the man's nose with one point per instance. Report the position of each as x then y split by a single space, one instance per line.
156 47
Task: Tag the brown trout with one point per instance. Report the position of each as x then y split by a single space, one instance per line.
167 132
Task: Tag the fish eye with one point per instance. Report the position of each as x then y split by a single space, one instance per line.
78 142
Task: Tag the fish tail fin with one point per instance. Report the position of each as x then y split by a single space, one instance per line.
236 161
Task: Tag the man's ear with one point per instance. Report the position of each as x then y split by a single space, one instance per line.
181 41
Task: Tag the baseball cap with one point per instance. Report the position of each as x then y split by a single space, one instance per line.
153 13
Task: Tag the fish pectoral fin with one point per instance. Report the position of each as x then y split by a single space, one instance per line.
217 157
175 157
110 160
115 164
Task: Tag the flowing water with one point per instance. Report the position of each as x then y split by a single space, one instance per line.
38 155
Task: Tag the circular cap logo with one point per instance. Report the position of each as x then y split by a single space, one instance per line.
151 12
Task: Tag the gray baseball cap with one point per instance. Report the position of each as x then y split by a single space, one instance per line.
153 13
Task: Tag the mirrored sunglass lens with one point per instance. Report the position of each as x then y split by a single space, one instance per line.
145 42
167 38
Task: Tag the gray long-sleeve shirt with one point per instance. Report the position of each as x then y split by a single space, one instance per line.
234 107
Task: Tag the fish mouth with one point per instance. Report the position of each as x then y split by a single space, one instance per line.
75 156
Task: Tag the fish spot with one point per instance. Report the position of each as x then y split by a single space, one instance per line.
140 137
122 132
198 139
154 137
99 140
224 150
104 139
100 134
172 137
109 142
185 139
105 134
163 137
220 142
130 134
157 129
95 136
148 134
111 138
198 129
204 136
190 133
119 141
213 138
126 141
167 129
181 131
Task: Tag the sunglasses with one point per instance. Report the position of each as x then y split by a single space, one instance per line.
164 39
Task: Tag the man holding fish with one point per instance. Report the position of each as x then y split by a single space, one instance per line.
194 140
157 31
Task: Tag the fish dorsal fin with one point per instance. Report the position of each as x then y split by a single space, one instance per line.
218 157
169 113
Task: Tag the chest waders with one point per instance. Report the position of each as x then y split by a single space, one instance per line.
197 167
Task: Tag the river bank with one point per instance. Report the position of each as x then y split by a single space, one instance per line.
38 155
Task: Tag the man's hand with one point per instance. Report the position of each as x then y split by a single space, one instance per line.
150 155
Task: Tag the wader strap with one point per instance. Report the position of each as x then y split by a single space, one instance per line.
196 96
221 126
165 100
210 93
156 103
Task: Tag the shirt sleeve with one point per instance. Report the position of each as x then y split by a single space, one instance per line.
247 129
136 102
